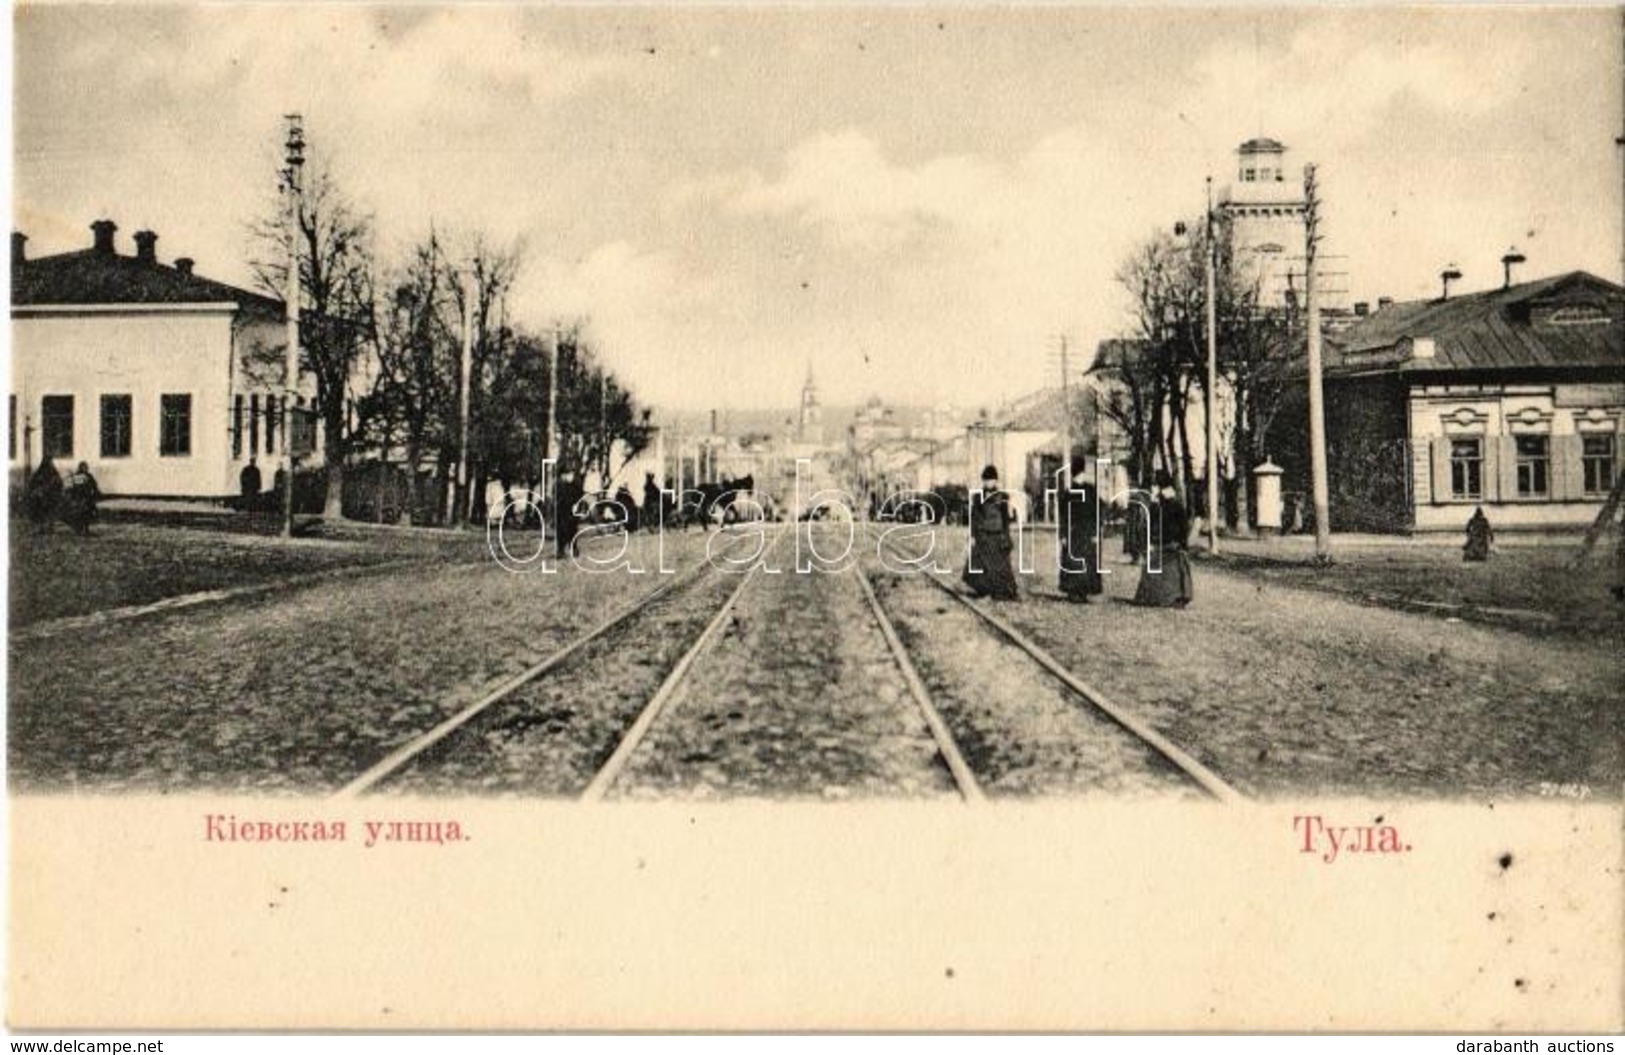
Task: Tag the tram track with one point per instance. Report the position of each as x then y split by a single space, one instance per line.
412 762
1095 702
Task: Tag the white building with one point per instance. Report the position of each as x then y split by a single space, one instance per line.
165 382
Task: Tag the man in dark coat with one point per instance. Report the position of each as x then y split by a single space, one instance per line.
566 493
249 484
79 497
653 511
988 572
1079 537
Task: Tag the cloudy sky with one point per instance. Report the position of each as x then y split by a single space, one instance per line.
914 200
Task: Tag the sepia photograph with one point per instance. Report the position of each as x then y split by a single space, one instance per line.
762 517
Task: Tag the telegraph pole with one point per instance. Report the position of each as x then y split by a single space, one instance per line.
1317 409
553 407
291 186
1066 416
470 285
1209 265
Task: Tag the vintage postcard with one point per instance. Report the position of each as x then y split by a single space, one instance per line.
772 517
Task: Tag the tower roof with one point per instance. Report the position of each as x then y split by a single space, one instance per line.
1262 146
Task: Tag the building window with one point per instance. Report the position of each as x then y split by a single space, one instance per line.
1248 175
254 423
116 411
174 425
56 426
1467 467
271 419
11 416
1597 459
237 426
1534 463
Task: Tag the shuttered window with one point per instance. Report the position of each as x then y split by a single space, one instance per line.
1534 466
1467 467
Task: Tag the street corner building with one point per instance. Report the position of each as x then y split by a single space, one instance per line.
164 381
1512 399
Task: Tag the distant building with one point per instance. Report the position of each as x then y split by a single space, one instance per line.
1513 399
164 381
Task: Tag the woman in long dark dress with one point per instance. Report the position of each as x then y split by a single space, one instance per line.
1079 538
988 572
1166 582
43 495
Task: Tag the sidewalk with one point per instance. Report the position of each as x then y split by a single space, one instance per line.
1529 582
1302 547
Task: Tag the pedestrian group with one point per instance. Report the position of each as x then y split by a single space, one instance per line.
1156 540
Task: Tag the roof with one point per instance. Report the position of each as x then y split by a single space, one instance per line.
1262 146
97 277
1565 321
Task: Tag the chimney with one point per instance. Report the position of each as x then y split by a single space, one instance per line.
19 251
1384 303
103 230
1512 257
1361 309
146 247
1450 274
183 264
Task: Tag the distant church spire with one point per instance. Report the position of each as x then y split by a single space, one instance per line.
809 425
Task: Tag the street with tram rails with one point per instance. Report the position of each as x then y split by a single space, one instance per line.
769 661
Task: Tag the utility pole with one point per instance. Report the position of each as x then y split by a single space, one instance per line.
1066 414
1317 409
470 286
603 428
291 186
1209 265
553 408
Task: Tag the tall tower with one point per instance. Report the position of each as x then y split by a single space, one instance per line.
809 421
1265 208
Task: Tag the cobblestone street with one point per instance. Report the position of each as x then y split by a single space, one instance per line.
1281 691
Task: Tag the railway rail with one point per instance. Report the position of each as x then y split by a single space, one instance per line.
1208 781
392 765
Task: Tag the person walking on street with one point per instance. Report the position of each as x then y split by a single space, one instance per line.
249 484
43 495
1167 586
79 497
1079 537
987 571
567 493
1480 537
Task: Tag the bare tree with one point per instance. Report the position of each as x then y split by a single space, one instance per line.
333 238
